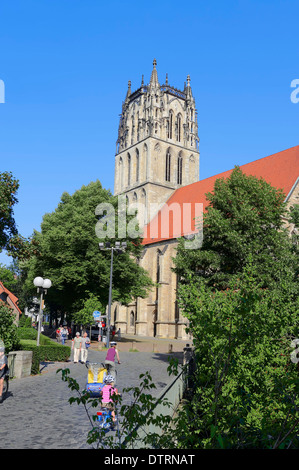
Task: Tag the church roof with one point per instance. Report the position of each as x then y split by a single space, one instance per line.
281 170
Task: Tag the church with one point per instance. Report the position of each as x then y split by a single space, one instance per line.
157 170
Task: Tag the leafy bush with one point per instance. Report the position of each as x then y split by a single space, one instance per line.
25 322
26 333
8 328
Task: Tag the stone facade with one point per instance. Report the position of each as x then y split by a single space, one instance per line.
157 145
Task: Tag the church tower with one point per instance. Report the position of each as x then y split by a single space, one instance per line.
157 145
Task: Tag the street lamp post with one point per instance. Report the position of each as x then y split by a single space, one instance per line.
119 248
42 286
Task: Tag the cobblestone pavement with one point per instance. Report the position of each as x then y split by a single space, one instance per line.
37 415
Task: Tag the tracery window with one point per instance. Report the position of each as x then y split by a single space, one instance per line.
168 165
129 169
179 127
120 172
180 170
170 125
137 165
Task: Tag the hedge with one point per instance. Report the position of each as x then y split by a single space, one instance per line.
26 333
48 350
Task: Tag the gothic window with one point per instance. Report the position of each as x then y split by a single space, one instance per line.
144 162
170 125
132 318
120 172
168 165
115 315
156 128
180 169
129 169
179 127
158 266
143 202
137 165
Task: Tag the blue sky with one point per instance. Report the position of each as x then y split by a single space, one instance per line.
66 65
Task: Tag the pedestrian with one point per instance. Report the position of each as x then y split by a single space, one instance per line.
76 347
110 358
85 343
58 334
64 335
3 367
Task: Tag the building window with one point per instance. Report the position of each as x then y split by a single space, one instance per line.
168 165
180 169
137 165
179 126
170 124
121 178
129 169
115 315
144 207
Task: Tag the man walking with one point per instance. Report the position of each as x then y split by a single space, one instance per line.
76 346
85 343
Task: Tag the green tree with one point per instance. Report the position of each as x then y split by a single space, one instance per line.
84 316
69 255
244 218
8 328
10 240
7 278
239 292
246 393
8 189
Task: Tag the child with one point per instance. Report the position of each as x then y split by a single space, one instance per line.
107 392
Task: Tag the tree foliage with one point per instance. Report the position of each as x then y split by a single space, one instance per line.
244 218
239 292
10 239
69 255
8 328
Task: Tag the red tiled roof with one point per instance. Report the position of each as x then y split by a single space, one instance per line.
281 170
12 297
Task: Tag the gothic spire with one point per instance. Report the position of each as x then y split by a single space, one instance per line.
129 90
188 88
154 77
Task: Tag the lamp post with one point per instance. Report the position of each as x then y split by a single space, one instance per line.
42 286
119 248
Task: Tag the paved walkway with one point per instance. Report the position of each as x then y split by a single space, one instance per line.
37 415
